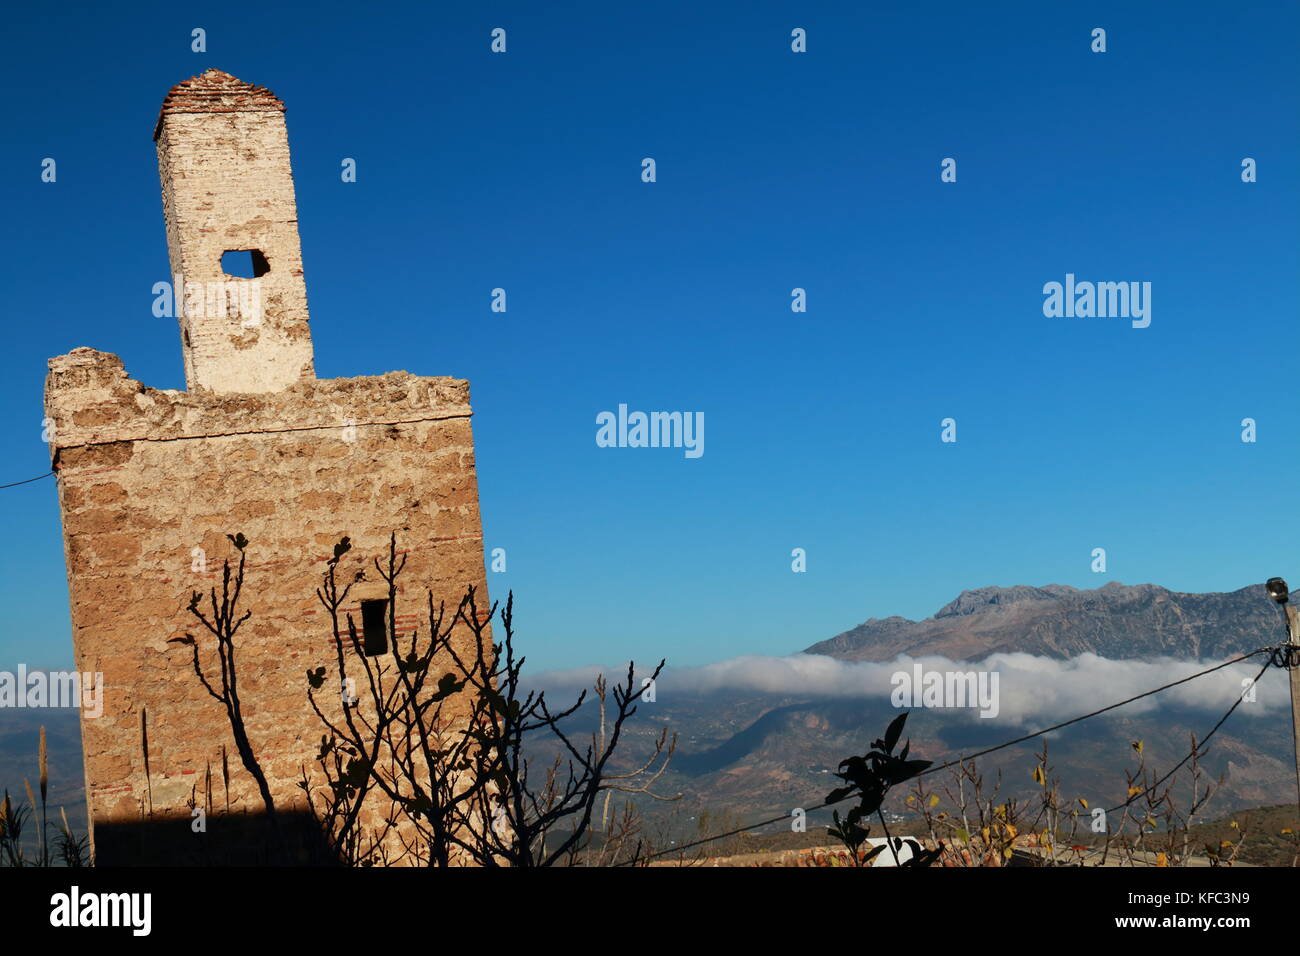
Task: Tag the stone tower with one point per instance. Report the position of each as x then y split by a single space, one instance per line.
151 482
223 154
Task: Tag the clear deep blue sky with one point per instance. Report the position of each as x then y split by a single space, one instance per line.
775 171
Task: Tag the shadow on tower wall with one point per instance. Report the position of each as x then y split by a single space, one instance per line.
233 840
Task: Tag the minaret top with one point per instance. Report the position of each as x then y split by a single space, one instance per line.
214 91
232 236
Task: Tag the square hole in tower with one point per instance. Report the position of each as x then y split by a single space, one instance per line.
244 263
374 627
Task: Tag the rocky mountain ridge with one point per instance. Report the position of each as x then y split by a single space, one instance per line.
1116 621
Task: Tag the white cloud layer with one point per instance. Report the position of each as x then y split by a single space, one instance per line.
1031 689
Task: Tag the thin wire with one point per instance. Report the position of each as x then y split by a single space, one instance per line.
14 484
980 753
1196 747
720 836
1075 720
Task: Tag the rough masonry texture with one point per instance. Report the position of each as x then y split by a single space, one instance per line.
223 154
152 481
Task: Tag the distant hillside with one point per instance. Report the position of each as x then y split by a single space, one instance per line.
758 755
1114 621
20 736
751 751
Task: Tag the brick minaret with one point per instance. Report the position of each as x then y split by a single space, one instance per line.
223 155
152 481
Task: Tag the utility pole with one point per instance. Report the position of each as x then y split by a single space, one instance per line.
1280 593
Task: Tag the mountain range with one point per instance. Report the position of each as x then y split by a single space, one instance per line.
752 752
1115 621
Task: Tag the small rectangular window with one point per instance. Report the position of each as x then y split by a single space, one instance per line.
374 627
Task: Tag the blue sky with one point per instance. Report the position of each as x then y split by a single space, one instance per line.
775 170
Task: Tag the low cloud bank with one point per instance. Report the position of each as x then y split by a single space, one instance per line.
1031 689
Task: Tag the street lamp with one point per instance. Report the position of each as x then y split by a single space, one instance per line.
1277 590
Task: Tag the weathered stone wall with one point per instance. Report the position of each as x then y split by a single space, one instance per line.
223 157
146 476
152 482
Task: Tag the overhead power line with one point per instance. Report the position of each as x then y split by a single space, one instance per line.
1095 713
1240 697
25 481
